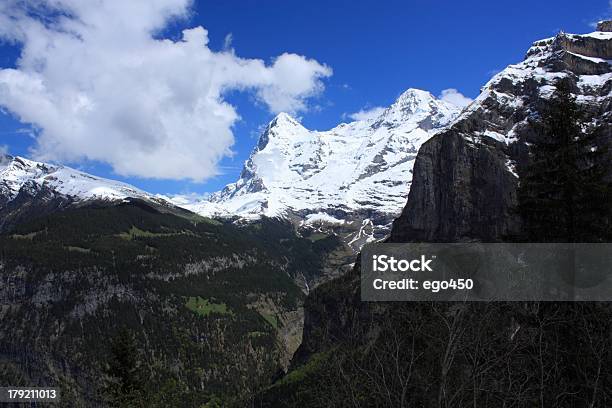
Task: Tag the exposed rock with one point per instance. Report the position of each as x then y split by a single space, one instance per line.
464 183
605 26
460 190
595 45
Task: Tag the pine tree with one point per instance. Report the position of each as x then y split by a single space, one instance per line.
126 388
563 193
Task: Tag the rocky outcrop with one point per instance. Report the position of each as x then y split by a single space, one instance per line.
605 26
461 190
464 183
595 45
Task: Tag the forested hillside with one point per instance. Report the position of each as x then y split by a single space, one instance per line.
212 307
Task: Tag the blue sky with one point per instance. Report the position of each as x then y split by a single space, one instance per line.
376 50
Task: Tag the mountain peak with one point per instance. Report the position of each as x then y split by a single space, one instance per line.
283 125
414 93
358 172
284 118
17 163
416 106
413 100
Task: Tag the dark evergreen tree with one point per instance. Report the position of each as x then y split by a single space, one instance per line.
126 388
564 194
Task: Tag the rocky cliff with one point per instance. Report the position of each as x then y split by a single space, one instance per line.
464 182
463 189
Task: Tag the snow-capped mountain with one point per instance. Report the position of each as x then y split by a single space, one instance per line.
357 172
29 189
584 59
22 176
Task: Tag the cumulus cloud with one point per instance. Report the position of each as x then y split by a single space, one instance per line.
367 114
455 97
99 84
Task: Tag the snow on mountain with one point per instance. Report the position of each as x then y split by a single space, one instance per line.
360 173
360 169
465 178
18 173
582 58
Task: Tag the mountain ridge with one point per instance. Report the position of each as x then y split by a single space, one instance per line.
354 173
328 179
485 145
17 173
30 189
463 190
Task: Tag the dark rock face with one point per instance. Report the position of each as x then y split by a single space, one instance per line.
333 313
459 191
605 26
30 202
593 47
582 66
464 184
463 189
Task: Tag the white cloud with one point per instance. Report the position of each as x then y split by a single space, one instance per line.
455 97
227 42
367 114
99 84
4 151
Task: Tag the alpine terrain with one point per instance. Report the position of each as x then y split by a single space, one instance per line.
352 180
124 298
212 308
464 188
29 188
